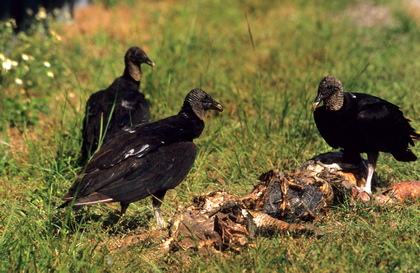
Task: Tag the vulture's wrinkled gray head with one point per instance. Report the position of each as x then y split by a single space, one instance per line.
330 91
199 102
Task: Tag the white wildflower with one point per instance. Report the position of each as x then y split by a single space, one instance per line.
7 65
18 81
47 64
27 57
50 74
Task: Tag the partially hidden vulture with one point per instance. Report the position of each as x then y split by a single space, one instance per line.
119 106
361 123
144 160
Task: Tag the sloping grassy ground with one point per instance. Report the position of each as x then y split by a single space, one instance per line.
263 61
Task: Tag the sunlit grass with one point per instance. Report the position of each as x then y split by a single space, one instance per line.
262 61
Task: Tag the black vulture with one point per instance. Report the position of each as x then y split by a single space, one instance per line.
119 106
361 123
144 160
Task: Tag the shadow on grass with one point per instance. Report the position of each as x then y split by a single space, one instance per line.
85 219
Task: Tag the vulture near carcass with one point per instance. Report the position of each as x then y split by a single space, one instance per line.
361 123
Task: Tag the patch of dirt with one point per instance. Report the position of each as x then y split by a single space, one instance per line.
18 138
368 14
413 8
119 22
96 18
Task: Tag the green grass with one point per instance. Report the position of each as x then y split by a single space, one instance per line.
263 61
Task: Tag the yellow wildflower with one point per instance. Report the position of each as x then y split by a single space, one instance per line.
57 36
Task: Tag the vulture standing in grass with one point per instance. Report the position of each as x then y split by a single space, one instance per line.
361 123
143 160
119 106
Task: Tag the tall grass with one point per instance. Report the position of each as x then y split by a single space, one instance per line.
263 61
